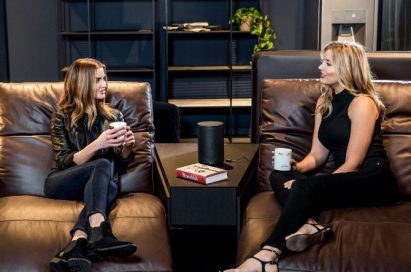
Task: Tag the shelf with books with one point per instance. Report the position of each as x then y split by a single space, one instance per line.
210 66
201 33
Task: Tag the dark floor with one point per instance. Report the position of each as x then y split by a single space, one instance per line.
203 249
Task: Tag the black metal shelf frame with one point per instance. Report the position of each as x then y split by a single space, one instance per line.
91 40
229 69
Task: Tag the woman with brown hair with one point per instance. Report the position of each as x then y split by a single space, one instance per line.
89 156
348 118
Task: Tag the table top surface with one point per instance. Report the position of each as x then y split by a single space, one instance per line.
237 158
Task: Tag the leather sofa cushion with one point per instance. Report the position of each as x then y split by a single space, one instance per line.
287 120
41 226
26 155
25 163
303 64
376 232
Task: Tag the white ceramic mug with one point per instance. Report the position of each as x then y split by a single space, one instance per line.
282 159
118 124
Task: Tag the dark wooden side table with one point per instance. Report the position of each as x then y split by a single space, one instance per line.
218 204
204 217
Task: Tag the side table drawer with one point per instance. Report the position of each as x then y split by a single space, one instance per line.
203 206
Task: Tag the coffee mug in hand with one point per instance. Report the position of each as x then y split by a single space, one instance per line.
282 159
118 124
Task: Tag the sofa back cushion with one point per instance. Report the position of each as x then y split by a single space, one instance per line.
287 120
25 149
289 64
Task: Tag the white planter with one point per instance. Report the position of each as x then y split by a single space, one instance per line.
245 24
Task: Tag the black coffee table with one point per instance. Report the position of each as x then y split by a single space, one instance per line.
218 204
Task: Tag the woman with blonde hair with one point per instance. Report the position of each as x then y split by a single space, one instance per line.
89 156
347 126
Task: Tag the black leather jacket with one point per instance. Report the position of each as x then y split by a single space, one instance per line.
66 140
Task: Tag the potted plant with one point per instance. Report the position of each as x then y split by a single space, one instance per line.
259 25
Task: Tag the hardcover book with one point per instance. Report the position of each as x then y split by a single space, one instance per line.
201 173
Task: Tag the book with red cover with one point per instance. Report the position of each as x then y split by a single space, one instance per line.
201 173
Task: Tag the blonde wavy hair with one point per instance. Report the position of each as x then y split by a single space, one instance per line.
78 99
353 72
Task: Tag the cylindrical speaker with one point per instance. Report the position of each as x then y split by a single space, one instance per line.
210 142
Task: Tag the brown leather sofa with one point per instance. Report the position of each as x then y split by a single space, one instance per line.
365 239
32 227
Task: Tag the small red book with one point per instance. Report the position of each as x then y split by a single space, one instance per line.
201 173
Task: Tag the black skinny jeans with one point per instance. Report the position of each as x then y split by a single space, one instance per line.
372 185
91 182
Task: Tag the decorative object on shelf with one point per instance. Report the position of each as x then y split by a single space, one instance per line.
244 16
258 24
193 27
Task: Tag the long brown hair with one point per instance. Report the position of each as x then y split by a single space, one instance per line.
79 93
354 74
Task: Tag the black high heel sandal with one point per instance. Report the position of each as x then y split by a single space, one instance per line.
264 263
301 242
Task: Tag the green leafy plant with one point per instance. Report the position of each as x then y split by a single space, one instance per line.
259 25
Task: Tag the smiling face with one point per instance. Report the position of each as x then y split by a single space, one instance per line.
101 84
328 74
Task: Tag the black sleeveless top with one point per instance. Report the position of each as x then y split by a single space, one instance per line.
334 131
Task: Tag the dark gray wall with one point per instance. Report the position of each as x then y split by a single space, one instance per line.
4 68
295 21
32 40
33 43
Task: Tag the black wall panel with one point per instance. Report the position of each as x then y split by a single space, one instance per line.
295 21
32 40
4 66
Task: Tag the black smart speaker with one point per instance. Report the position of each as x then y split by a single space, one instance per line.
210 142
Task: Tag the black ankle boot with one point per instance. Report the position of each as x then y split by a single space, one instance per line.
103 242
72 258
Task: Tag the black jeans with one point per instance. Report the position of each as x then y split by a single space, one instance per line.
372 185
91 182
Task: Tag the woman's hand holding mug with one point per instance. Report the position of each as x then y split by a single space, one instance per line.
129 138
